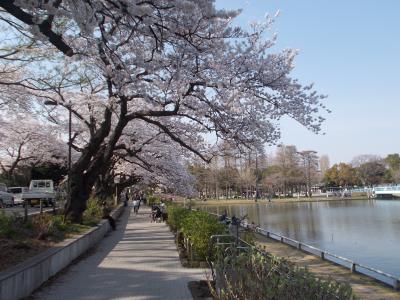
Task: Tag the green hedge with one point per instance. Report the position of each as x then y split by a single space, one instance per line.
197 226
176 215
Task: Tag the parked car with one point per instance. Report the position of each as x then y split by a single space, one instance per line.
18 193
6 199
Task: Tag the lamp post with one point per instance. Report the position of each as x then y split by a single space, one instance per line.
55 103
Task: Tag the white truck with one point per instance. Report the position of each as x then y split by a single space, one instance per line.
39 190
6 199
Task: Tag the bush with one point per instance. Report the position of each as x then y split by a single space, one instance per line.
8 225
151 199
176 215
42 226
253 275
195 225
93 213
47 226
199 227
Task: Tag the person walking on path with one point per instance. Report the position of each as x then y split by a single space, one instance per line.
140 200
136 203
135 206
164 213
126 198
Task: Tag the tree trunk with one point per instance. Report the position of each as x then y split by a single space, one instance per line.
79 193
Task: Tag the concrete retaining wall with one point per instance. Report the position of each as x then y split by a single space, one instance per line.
20 281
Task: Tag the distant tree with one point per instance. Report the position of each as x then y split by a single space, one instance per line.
271 179
324 164
309 160
291 170
364 158
341 175
25 142
201 173
393 164
393 161
372 173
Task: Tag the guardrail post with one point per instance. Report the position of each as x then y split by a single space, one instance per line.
299 245
191 251
25 211
396 284
353 267
188 249
41 206
267 234
322 255
281 239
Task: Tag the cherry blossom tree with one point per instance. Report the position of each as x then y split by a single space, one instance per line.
144 154
26 142
178 66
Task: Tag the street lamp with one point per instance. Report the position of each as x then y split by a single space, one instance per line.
55 103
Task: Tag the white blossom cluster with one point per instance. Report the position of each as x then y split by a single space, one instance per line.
173 71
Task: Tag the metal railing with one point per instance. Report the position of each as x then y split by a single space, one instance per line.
387 188
241 245
354 267
326 255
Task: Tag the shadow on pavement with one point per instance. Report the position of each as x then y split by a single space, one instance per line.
137 261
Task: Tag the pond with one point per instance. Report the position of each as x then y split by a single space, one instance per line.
365 231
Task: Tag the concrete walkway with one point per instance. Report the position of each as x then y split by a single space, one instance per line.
138 261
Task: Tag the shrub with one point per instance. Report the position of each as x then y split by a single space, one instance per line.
8 228
253 275
59 223
196 225
199 227
176 215
47 226
93 213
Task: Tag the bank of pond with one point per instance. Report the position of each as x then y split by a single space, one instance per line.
240 270
365 231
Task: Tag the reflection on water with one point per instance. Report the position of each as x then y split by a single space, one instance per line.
366 231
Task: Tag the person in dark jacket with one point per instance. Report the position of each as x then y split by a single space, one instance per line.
106 215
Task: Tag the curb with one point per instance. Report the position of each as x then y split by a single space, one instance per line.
21 280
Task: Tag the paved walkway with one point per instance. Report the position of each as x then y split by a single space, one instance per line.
137 261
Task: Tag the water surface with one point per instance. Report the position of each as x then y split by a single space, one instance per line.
365 231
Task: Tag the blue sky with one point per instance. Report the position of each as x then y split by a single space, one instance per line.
351 51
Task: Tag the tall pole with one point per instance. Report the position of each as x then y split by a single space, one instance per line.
69 152
257 196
